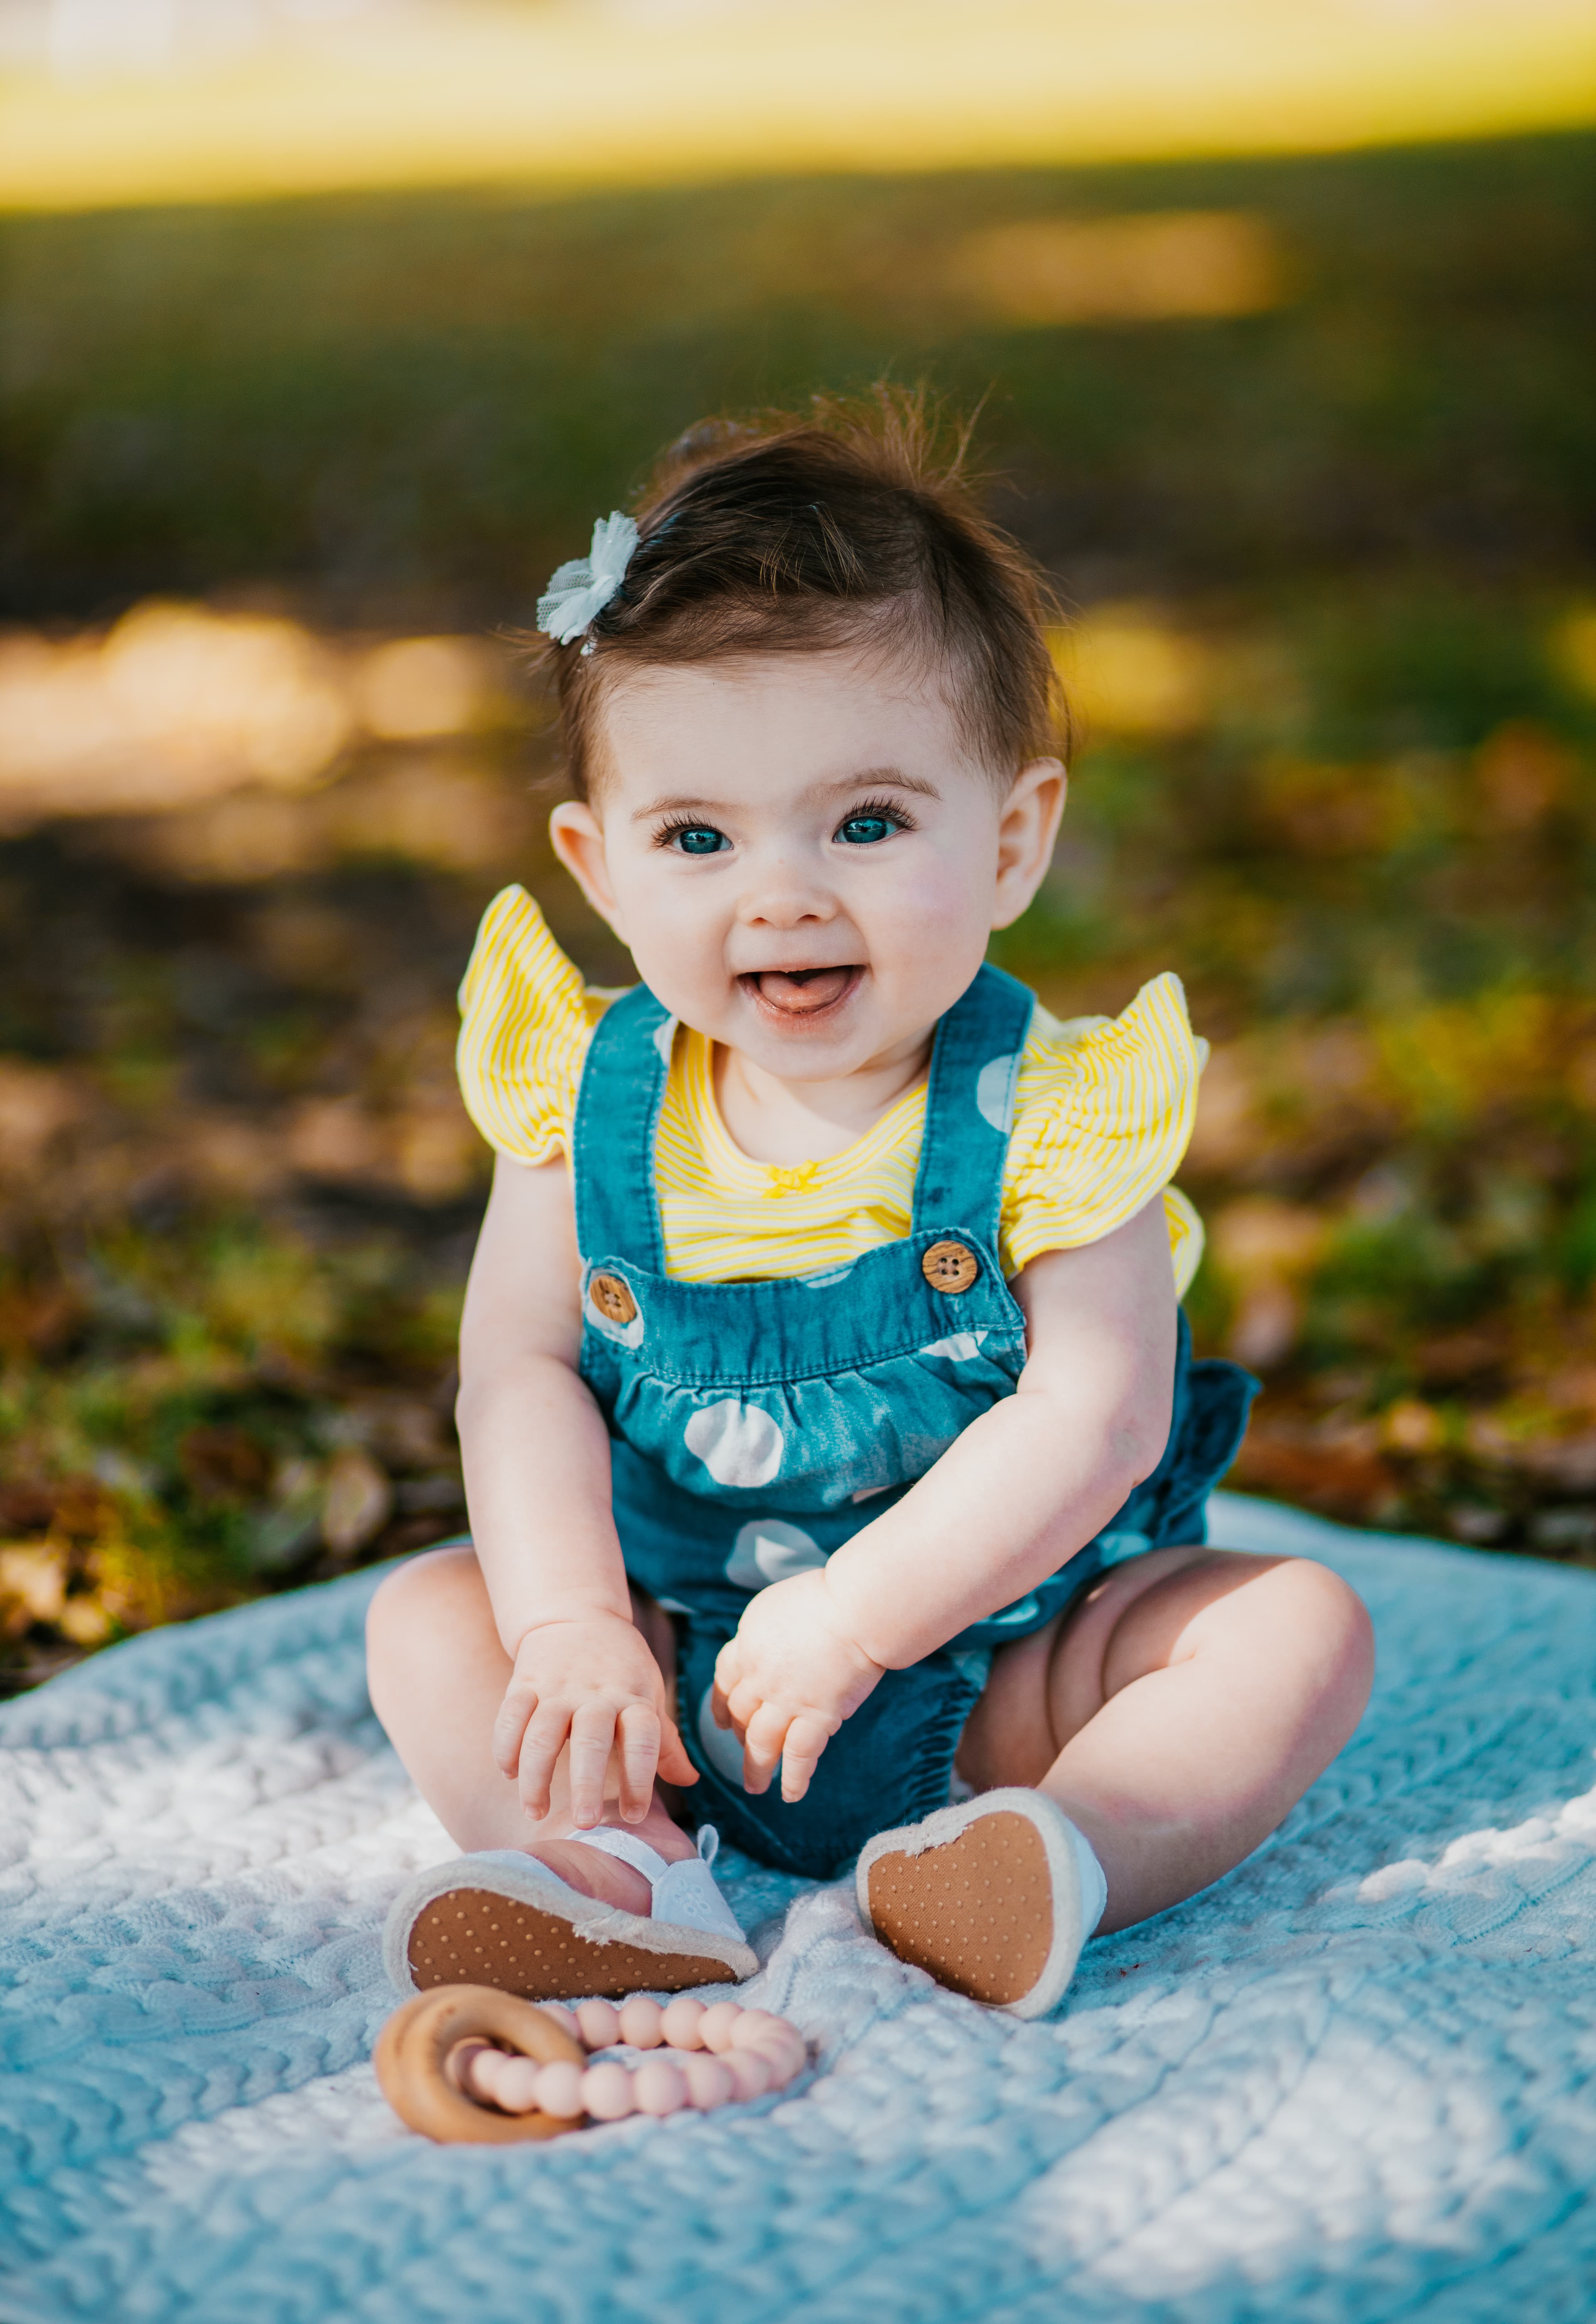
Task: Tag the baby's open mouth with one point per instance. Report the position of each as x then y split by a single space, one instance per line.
801 991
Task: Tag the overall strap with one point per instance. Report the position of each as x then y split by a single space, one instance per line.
970 1106
623 1085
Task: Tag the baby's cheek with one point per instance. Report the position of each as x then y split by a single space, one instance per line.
930 930
678 946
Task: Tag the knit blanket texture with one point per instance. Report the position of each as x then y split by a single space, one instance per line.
1352 2082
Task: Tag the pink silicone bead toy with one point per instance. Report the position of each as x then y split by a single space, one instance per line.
682 2022
751 2074
709 2081
660 2087
469 2062
607 2092
516 2087
558 2089
640 2022
714 2027
597 2023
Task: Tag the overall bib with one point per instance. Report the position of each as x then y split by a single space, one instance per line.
755 1426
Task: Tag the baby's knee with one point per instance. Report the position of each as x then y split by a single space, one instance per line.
1330 1634
408 1602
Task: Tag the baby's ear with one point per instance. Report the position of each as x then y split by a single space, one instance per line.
578 840
1027 827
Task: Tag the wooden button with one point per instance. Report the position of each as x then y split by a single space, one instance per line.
611 1297
950 1267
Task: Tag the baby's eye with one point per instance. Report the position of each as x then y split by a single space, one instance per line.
864 830
697 839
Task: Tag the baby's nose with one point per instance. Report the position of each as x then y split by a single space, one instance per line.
786 903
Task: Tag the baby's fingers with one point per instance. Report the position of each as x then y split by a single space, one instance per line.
636 1732
801 1756
762 1740
741 1703
728 1674
675 1766
520 1700
540 1748
592 1737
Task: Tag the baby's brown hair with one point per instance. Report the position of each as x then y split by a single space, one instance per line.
856 526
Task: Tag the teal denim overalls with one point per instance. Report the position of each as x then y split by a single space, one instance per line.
756 1426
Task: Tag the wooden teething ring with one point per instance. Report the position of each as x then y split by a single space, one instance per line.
412 2061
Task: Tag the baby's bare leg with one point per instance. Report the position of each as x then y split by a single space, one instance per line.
437 1672
1178 1712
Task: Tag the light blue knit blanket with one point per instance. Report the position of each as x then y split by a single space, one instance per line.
1352 2082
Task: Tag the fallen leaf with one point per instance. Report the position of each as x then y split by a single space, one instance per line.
356 1505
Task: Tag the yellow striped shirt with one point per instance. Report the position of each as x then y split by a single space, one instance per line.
1103 1114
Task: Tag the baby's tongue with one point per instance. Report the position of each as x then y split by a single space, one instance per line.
803 990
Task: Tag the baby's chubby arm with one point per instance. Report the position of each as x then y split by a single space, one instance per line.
1019 1492
537 1456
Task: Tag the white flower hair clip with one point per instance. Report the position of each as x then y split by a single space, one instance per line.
580 589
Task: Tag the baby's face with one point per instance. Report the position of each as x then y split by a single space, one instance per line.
799 854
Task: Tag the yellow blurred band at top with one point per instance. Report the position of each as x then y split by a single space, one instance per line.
566 97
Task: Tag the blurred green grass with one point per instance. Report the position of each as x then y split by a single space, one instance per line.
393 404
239 1194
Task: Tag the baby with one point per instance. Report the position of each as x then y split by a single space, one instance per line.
833 1447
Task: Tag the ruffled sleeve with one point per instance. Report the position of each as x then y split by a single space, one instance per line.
1103 1114
526 1020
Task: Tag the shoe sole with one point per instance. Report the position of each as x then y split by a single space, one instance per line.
475 1936
975 1911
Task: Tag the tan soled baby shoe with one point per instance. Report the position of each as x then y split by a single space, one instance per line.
994 1898
502 1919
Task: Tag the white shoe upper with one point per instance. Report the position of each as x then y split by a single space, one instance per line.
689 1915
684 1893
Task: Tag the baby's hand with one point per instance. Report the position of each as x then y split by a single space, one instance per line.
788 1679
591 1685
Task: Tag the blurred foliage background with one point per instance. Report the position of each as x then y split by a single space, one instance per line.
1309 449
